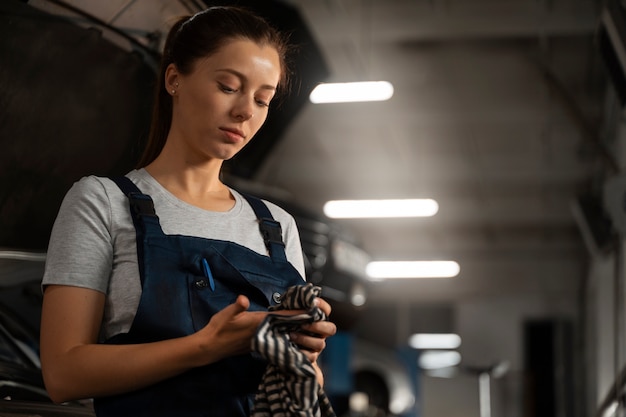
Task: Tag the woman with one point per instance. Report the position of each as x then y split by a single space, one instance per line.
170 270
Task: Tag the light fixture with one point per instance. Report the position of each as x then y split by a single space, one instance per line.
435 341
351 209
437 359
351 92
412 269
611 410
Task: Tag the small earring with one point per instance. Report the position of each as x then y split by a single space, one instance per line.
175 84
173 91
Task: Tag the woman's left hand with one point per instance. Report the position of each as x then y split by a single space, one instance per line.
312 337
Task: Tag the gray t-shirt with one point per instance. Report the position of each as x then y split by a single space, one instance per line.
93 242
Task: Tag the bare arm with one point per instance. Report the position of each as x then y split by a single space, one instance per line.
75 366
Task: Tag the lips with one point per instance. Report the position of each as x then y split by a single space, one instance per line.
233 133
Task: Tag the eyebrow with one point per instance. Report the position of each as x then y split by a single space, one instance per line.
243 77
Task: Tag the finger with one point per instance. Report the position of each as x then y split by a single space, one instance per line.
306 342
240 305
243 301
288 312
321 328
323 305
311 356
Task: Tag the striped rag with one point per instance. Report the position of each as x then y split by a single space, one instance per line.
289 386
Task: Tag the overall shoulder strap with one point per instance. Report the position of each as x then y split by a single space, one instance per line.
141 204
143 215
270 228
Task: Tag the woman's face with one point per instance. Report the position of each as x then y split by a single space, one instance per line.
222 103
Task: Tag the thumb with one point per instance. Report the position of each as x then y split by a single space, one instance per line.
240 305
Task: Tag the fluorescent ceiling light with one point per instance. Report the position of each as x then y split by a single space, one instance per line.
435 341
436 359
349 92
611 410
351 209
412 269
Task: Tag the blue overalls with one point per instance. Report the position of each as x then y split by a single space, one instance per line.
185 280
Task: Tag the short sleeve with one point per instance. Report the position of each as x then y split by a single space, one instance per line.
80 250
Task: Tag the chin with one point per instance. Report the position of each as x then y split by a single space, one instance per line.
226 156
230 153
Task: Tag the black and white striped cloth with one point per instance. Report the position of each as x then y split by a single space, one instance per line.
289 386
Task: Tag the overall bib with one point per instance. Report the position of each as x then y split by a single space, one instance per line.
185 280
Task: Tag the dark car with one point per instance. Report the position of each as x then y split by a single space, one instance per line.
22 392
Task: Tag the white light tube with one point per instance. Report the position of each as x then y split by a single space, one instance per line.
350 92
436 359
435 341
611 410
412 269
351 209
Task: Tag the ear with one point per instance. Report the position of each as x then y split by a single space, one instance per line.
171 79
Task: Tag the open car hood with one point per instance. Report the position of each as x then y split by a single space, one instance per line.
77 103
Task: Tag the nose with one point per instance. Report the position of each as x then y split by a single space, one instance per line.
243 109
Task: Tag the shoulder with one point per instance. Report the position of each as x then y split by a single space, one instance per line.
94 199
280 214
92 187
277 211
291 236
88 193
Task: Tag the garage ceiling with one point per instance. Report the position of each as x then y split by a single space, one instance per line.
498 114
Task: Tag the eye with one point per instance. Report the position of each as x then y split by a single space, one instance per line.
227 89
263 98
262 103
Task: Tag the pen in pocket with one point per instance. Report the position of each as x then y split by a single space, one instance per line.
208 273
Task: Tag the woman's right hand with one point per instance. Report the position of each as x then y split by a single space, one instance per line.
230 331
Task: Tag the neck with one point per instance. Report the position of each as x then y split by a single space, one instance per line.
199 185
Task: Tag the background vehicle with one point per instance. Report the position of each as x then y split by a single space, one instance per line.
22 391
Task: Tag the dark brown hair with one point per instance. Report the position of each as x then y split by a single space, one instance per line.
199 36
